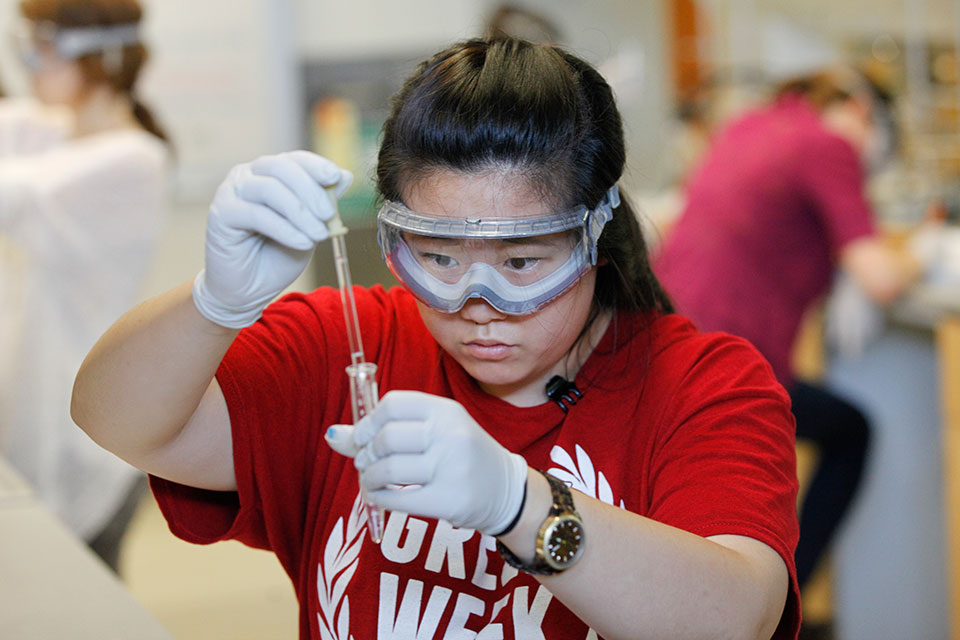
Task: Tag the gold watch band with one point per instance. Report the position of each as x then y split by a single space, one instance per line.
562 506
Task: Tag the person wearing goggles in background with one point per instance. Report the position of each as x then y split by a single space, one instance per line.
83 172
661 464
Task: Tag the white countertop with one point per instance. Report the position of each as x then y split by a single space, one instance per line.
52 585
925 304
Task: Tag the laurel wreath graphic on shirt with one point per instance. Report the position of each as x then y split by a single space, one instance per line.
581 475
342 551
340 559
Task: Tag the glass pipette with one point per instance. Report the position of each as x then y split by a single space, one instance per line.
362 374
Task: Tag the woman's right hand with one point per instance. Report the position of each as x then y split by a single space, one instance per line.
264 221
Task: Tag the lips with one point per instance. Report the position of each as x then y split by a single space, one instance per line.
483 342
488 349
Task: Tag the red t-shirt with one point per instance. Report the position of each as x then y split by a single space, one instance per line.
775 200
688 429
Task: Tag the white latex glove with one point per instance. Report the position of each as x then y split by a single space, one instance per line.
852 320
925 244
937 247
458 471
264 221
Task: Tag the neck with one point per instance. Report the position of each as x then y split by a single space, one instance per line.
529 395
584 347
103 109
849 120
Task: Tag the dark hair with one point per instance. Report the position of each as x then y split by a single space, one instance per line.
493 104
512 21
90 13
836 84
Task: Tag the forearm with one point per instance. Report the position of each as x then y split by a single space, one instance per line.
145 377
639 578
882 271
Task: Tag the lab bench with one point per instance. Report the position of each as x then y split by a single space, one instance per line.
897 561
52 585
948 345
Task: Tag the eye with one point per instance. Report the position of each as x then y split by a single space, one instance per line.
522 264
438 259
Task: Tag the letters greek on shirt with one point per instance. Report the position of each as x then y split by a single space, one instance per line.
411 608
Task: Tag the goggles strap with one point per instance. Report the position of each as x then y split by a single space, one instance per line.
597 218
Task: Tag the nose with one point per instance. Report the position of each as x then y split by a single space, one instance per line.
479 311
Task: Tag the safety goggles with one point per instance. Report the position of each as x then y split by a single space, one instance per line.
517 265
69 43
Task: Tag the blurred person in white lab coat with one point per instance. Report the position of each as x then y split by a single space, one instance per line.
83 173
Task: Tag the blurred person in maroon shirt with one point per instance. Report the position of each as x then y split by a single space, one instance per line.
776 207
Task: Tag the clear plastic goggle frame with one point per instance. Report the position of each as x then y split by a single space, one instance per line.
397 215
401 233
70 43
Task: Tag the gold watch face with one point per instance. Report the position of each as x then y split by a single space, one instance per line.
563 541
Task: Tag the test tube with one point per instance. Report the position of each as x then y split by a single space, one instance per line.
362 374
364 396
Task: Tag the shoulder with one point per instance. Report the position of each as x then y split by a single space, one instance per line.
824 147
686 362
301 338
130 148
394 302
28 126
674 336
113 162
816 142
318 316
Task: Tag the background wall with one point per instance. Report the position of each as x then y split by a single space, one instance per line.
626 37
225 79
224 74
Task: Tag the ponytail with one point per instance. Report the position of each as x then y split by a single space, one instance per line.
146 120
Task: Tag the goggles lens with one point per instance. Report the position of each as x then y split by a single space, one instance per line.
35 41
520 262
516 265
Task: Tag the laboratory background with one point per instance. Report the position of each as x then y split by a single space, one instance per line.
233 80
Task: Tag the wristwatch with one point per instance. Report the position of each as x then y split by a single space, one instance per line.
561 537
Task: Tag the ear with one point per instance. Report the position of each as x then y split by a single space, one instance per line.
864 107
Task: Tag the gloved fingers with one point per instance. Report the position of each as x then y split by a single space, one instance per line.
405 499
399 405
399 468
276 195
394 437
926 243
322 170
248 217
368 427
298 180
340 439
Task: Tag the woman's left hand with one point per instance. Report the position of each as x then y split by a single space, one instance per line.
448 466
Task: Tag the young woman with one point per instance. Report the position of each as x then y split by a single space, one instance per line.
83 170
529 334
